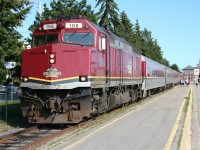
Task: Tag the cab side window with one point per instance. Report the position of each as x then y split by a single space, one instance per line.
102 43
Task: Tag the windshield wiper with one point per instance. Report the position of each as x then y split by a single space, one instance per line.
71 35
86 34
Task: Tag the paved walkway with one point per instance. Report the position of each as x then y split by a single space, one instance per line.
150 127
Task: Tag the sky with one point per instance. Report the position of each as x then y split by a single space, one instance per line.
175 24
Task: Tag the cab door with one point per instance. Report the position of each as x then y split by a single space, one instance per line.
102 69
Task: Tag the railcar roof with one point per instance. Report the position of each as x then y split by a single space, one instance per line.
112 35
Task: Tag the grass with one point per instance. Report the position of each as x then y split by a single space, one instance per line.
14 115
187 102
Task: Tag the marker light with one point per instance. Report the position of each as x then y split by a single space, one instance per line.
86 27
40 29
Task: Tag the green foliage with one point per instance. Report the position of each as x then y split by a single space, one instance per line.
108 15
175 67
125 28
12 13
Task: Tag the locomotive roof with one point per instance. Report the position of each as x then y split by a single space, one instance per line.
114 36
103 30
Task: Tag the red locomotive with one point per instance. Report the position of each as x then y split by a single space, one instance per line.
76 69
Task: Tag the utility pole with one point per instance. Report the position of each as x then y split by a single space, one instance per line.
40 8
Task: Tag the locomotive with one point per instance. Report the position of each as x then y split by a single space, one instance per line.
77 69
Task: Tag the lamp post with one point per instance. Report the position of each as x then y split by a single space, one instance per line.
8 66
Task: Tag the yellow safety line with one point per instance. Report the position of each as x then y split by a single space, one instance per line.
175 127
186 139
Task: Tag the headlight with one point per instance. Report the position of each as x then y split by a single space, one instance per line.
51 61
24 79
52 56
83 78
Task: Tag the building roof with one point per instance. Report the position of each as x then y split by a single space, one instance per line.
188 68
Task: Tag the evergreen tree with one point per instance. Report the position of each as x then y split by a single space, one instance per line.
125 28
108 14
138 40
12 13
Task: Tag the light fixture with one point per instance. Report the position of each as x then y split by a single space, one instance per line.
52 61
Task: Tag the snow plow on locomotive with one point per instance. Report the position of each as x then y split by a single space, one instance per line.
76 69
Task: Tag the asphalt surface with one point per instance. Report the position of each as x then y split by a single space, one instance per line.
147 128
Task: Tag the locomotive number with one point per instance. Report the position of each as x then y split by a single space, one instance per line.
49 26
73 25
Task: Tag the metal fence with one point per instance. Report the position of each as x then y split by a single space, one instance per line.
11 96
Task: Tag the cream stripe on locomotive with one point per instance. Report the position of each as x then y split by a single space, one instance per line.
77 78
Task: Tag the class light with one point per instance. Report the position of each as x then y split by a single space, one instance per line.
86 27
40 29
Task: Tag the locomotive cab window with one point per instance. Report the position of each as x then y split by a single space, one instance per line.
102 43
44 39
79 38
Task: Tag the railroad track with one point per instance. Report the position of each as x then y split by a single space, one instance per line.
33 137
30 137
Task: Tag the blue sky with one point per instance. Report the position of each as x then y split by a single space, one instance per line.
174 23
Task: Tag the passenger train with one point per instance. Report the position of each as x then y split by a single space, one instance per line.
76 69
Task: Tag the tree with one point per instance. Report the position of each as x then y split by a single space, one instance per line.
175 67
12 13
138 40
165 62
108 14
125 28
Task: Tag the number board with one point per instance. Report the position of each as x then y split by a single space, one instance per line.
49 26
73 25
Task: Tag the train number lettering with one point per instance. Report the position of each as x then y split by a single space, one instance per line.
49 26
73 25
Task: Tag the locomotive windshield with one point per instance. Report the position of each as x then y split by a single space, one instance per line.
79 38
44 39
